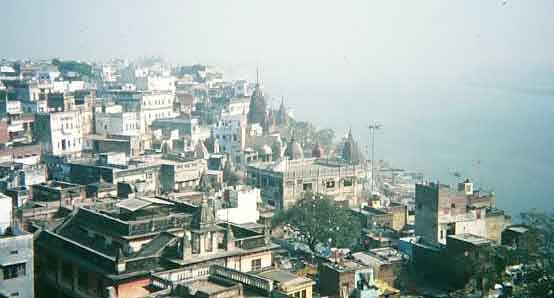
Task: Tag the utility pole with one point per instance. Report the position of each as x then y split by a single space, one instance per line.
373 127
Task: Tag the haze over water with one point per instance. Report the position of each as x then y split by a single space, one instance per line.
452 82
442 127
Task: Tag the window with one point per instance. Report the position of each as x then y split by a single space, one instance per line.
330 184
256 264
307 187
14 271
348 182
453 206
303 294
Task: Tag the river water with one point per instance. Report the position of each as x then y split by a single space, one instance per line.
497 133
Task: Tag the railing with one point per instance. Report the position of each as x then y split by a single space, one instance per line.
160 283
153 225
252 281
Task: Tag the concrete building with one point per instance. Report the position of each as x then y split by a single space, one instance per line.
151 174
442 211
18 125
119 123
143 173
393 216
60 133
351 279
285 181
226 282
230 135
16 264
190 128
155 83
68 194
131 145
241 205
181 174
385 262
119 250
150 105
13 175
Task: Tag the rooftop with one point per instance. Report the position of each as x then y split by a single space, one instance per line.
470 238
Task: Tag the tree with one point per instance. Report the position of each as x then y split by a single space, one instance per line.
319 220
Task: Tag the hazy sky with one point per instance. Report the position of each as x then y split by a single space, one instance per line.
365 39
452 81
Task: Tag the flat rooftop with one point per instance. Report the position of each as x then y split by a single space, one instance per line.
207 286
284 277
470 238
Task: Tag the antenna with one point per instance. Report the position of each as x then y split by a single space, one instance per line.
372 128
257 76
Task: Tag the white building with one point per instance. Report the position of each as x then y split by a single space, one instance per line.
150 105
242 205
154 83
60 133
5 213
118 123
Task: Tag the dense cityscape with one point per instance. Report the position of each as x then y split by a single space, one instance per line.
135 179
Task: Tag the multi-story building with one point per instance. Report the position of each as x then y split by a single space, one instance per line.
16 255
351 279
18 124
150 105
60 133
285 181
442 211
231 136
240 205
116 251
14 175
181 174
16 262
393 216
154 174
118 123
155 83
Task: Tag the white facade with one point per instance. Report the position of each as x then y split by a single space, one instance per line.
61 132
151 83
243 206
156 106
122 123
151 105
5 213
67 86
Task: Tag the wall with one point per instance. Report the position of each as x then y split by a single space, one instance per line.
13 250
5 212
426 216
246 207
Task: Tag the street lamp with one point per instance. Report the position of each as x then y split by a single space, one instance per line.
372 128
